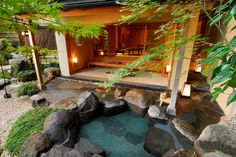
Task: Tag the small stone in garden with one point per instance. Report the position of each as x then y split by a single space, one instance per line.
155 112
38 101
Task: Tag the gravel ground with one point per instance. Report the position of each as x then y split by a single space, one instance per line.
10 110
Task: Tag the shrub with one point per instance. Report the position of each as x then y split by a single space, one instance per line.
1 151
27 124
15 43
29 88
54 64
26 76
4 43
6 74
7 55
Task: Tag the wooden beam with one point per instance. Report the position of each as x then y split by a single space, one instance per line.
116 37
36 61
177 68
91 11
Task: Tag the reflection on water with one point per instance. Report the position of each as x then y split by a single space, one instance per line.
167 128
124 134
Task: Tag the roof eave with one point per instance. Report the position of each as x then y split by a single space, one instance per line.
77 4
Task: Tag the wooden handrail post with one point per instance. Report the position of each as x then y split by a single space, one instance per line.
36 61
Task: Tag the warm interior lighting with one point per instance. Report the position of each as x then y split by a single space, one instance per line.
101 53
186 91
24 33
198 68
168 68
75 60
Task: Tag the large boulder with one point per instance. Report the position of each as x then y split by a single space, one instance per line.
61 127
62 151
138 101
155 112
66 104
185 129
52 71
120 92
26 76
85 146
4 83
35 145
158 142
87 105
114 107
216 137
179 153
17 65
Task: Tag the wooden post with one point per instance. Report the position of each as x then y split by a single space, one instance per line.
116 37
174 93
36 61
145 38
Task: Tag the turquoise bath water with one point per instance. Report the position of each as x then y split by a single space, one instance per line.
120 136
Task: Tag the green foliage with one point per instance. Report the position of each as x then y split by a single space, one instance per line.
1 150
9 43
54 64
26 76
6 74
29 88
41 11
7 55
224 75
3 60
27 124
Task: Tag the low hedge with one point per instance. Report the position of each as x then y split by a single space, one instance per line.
27 124
5 54
6 74
29 88
1 151
26 76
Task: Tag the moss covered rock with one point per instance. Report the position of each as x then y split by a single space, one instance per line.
26 76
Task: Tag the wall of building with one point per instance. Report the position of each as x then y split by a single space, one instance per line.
62 54
82 52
